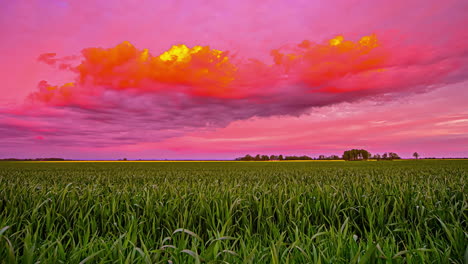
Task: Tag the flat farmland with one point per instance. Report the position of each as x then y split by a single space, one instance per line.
234 212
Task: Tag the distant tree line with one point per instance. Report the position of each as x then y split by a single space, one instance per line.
259 157
386 156
356 154
362 154
332 157
352 155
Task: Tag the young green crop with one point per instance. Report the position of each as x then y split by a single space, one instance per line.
234 212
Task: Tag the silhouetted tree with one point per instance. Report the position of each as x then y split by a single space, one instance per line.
365 154
280 157
257 158
416 155
356 154
248 158
387 156
304 157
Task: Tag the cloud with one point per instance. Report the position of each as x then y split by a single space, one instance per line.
420 122
125 95
64 63
204 72
301 76
48 58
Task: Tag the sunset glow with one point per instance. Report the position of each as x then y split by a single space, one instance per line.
190 80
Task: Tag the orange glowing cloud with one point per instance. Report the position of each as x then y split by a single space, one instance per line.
63 63
56 95
201 71
204 71
319 64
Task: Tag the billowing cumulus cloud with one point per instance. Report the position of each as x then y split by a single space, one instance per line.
210 73
217 88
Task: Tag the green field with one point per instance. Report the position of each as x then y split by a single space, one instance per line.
234 212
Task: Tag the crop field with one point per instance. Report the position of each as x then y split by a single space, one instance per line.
234 212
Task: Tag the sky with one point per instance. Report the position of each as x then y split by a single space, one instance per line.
193 79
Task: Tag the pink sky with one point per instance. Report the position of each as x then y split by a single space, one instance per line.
90 79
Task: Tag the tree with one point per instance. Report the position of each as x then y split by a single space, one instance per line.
280 157
347 155
416 155
356 154
247 158
365 154
257 158
390 156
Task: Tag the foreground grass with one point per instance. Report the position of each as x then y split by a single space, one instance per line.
235 212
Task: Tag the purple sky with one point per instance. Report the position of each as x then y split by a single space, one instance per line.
96 79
